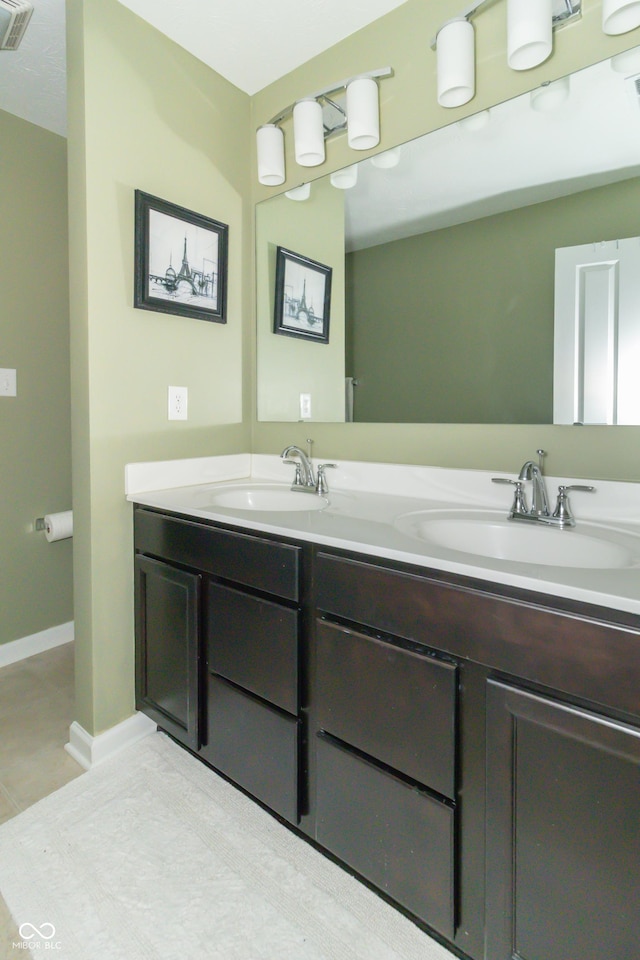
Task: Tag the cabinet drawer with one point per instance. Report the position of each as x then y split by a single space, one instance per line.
254 745
398 838
254 643
249 560
393 704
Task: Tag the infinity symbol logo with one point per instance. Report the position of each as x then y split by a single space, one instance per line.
29 930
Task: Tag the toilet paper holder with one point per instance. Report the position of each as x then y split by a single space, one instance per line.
56 526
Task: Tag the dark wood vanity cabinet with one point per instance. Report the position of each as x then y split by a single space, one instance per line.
217 639
471 751
517 717
563 830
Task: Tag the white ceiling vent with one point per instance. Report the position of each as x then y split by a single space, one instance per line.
14 19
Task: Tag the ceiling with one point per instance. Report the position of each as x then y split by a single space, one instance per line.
227 36
510 156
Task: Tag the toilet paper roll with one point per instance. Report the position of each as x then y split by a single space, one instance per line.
58 526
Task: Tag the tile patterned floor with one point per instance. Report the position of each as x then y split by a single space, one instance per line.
36 708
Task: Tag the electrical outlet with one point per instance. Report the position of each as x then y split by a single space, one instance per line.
7 383
178 399
305 406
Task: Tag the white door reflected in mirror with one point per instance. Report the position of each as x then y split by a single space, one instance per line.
597 333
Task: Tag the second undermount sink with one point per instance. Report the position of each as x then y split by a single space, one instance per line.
265 497
491 535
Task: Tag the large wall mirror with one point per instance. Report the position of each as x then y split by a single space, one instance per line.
443 257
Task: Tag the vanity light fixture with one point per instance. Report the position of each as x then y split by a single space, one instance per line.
346 178
477 121
455 50
549 96
301 193
530 26
529 33
270 144
627 63
620 16
363 114
319 116
308 132
387 159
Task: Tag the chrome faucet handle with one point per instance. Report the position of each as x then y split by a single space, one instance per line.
519 506
298 477
562 512
321 484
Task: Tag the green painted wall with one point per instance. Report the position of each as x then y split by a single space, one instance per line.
35 434
408 109
456 325
142 114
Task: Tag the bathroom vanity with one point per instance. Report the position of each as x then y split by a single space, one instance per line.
464 738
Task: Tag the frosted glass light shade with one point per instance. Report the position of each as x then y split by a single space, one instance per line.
627 63
363 114
388 159
301 193
477 121
346 178
619 16
529 33
308 133
550 96
270 147
455 51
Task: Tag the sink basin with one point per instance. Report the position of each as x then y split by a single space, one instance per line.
491 535
264 497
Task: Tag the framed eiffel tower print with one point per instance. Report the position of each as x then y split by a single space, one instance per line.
303 297
180 260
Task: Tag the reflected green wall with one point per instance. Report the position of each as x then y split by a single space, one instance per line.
456 325
289 366
142 114
35 435
409 108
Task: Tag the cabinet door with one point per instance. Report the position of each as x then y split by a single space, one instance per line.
563 831
167 647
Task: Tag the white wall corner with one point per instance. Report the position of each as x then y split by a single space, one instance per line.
29 646
90 751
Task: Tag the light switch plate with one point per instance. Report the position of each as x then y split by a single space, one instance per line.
8 385
305 406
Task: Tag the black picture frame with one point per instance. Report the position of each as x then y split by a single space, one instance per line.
302 297
180 260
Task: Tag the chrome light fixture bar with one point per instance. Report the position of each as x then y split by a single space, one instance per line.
316 118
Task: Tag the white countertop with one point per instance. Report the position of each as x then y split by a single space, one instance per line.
366 499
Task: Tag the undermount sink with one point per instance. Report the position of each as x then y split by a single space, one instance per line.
264 497
491 535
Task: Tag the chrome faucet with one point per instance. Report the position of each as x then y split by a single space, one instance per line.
304 479
539 511
539 500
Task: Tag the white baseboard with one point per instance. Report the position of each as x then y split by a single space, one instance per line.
25 647
89 751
